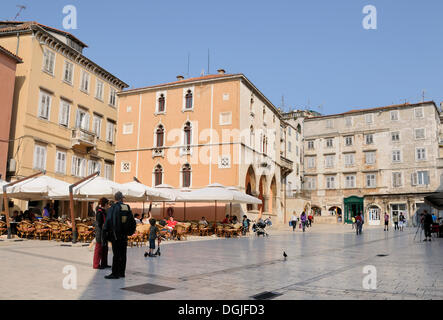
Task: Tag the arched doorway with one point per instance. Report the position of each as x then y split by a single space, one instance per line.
261 194
353 206
336 211
374 213
250 185
273 196
316 211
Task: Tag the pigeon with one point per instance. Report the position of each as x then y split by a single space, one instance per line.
285 255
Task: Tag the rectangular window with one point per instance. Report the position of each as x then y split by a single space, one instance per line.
68 72
97 125
39 157
329 143
110 129
330 182
311 183
394 115
112 97
350 181
60 162
329 124
49 61
108 171
311 145
311 162
84 83
349 159
419 133
44 105
64 113
369 118
397 179
396 156
289 131
82 119
420 178
348 121
371 180
93 166
78 167
370 157
349 141
329 161
369 139
421 154
296 150
418 112
395 136
99 90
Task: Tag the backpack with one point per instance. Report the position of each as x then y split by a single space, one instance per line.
128 224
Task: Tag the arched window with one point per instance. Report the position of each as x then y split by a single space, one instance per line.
160 134
161 103
187 134
252 102
158 175
188 99
186 176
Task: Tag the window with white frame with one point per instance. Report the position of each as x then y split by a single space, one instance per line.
82 119
420 154
349 159
420 178
289 131
48 61
84 81
418 112
44 107
78 167
296 150
419 133
371 180
394 115
330 182
128 128
349 140
289 146
329 124
39 157
350 181
369 118
396 155
311 145
348 121
108 171
110 131
68 72
63 117
329 142
369 138
161 102
112 97
125 166
99 85
188 98
395 136
97 125
397 179
310 183
310 162
60 162
186 176
329 161
370 157
93 166
158 175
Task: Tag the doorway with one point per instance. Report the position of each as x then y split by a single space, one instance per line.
353 205
374 216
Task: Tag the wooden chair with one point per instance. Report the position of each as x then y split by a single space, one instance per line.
195 230
65 232
42 230
54 233
3 228
204 230
220 230
27 229
85 233
180 232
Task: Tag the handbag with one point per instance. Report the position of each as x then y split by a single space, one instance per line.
290 223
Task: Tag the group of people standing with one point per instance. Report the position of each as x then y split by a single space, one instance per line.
398 219
305 221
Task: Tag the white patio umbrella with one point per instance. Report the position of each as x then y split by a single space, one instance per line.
99 187
151 194
240 197
38 188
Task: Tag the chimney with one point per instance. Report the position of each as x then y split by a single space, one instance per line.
180 77
221 71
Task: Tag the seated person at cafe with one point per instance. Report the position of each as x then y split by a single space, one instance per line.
137 219
234 220
171 224
226 220
16 217
203 222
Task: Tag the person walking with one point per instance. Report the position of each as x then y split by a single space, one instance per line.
293 221
119 224
386 222
310 219
153 235
427 224
395 219
353 223
100 260
358 223
303 220
401 221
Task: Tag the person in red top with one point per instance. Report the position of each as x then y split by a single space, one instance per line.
171 224
226 220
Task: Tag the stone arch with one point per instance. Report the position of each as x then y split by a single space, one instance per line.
316 210
263 194
273 196
251 186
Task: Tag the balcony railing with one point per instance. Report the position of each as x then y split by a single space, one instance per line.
83 137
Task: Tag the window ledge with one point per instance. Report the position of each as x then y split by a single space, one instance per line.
48 73
159 113
187 110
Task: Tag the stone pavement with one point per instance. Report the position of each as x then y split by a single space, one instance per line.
326 262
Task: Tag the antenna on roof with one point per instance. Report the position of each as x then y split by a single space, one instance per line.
283 102
208 62
423 95
19 11
189 55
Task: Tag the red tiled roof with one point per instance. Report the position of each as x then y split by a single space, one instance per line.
25 25
374 109
202 78
10 54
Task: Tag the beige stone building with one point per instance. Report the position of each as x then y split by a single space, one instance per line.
372 161
64 109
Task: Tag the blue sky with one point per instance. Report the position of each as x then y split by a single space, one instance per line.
310 51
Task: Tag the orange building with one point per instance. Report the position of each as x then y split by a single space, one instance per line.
193 132
8 64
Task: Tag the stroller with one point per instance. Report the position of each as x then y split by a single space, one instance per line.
259 229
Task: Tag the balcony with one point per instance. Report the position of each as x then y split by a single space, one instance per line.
286 165
81 137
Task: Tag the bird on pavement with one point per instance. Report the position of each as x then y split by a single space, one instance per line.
285 255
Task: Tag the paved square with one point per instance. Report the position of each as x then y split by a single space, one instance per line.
326 262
